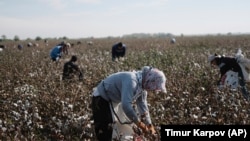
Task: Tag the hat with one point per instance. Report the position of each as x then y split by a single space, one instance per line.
153 79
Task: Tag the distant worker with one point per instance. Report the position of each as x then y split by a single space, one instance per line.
172 41
46 42
20 47
2 47
70 70
238 66
118 50
57 52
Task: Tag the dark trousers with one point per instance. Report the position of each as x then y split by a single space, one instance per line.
242 83
53 59
102 118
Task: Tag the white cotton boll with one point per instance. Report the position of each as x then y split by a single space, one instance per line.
70 115
65 113
36 115
197 65
36 109
54 118
40 126
29 122
16 114
88 125
25 117
62 102
236 109
12 127
197 108
235 116
239 102
195 116
175 116
23 107
4 129
25 112
202 88
81 118
168 98
31 74
16 90
204 118
23 89
222 99
15 104
58 131
64 108
70 106
162 107
159 110
27 104
214 115
19 101
59 123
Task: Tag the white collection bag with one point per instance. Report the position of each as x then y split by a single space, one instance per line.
232 79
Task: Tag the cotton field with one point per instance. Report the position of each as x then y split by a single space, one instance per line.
37 105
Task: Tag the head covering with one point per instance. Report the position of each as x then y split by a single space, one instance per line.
74 58
68 45
153 79
62 43
212 57
119 44
239 55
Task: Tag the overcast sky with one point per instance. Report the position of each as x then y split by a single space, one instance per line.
102 18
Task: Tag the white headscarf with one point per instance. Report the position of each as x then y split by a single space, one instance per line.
150 79
153 79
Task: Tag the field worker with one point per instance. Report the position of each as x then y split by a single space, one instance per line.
57 52
236 64
20 47
70 69
172 41
118 50
128 89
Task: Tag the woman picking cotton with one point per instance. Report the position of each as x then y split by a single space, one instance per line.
126 88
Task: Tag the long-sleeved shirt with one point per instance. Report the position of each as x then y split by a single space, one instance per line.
70 69
227 63
118 52
56 52
124 88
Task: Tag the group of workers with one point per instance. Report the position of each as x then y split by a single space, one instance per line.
131 87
